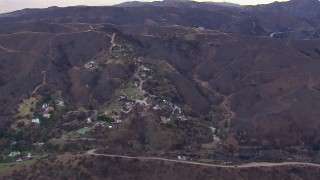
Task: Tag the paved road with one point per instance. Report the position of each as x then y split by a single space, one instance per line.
249 165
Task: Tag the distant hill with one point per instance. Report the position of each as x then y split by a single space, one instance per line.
180 4
299 8
26 11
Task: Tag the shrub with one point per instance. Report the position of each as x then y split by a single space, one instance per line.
105 118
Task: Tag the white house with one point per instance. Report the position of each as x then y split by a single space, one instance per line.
145 69
35 121
28 156
38 144
14 154
157 107
47 116
182 158
59 103
44 106
89 121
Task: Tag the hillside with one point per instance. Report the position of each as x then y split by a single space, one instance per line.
190 83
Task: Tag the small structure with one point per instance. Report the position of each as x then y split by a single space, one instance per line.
157 107
28 156
83 130
89 121
50 108
122 98
143 74
14 154
164 119
182 118
200 28
38 144
60 103
47 115
91 65
143 68
182 158
19 160
117 121
35 121
44 106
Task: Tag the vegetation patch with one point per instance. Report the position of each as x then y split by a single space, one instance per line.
25 108
83 130
5 165
111 107
190 37
105 118
132 92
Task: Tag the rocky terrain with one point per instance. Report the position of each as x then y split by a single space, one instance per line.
187 82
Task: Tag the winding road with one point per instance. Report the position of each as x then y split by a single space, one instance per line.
44 72
204 84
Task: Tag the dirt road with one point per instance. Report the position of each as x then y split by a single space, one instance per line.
249 165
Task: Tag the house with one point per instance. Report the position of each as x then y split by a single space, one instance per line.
177 108
60 103
145 69
89 121
117 121
143 75
182 158
50 108
47 115
28 156
164 119
182 118
157 107
200 28
122 98
35 121
45 106
38 144
14 154
91 65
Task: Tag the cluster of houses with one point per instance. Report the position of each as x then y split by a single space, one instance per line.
144 72
46 109
163 109
16 154
216 139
